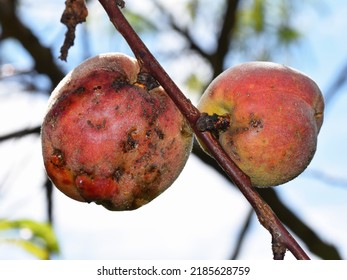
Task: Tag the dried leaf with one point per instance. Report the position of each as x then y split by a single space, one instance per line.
75 12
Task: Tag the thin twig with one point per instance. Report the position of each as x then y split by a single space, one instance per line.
242 234
148 62
339 81
20 133
13 27
223 41
183 32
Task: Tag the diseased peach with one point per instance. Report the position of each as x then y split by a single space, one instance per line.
107 138
275 112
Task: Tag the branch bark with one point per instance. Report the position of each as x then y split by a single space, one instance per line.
265 215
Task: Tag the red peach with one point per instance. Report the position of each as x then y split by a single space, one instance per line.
276 113
108 139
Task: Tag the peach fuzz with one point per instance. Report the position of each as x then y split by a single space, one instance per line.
276 113
107 139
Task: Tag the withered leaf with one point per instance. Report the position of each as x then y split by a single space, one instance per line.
75 12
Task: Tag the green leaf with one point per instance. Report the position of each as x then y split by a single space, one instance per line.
287 34
194 83
192 8
140 23
42 238
30 247
258 16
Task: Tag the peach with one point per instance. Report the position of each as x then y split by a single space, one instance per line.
275 115
108 138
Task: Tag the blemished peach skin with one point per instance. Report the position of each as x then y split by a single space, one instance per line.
276 113
109 140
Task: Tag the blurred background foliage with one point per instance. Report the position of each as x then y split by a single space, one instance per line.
209 35
35 237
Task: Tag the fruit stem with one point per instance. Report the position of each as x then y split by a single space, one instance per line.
213 123
280 236
148 62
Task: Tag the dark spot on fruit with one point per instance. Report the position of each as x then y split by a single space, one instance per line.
153 146
147 81
83 172
185 130
130 143
151 168
80 90
89 122
151 109
96 100
240 130
118 173
101 125
160 133
213 123
147 184
57 158
206 122
256 123
119 83
98 126
148 133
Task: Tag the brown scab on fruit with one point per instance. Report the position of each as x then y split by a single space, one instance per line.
130 143
256 123
275 114
57 158
118 173
110 140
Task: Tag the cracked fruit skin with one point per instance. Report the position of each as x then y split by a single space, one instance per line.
109 140
275 112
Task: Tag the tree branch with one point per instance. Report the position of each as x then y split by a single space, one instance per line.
334 88
223 41
148 62
21 133
184 33
242 234
13 27
307 235
314 243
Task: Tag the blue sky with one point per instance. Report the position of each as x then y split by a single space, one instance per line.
200 216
